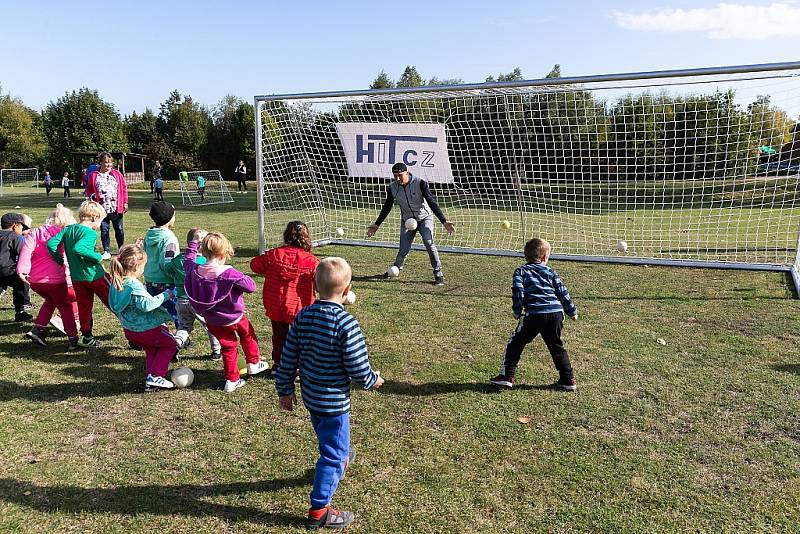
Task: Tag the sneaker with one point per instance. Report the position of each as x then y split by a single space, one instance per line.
87 341
185 344
106 256
22 317
566 385
328 517
256 368
438 281
2 292
73 343
37 336
216 357
503 381
231 386
160 382
29 306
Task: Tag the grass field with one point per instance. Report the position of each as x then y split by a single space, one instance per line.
701 434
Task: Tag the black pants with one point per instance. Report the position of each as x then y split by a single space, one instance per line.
66 192
159 195
242 184
18 290
47 189
549 325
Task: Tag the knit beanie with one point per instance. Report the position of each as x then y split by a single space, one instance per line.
161 212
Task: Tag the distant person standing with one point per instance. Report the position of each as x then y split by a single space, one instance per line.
65 185
241 177
48 183
107 187
158 187
156 175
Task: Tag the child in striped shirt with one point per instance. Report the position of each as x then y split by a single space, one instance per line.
327 343
539 301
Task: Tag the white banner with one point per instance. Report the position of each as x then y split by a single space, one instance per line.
373 147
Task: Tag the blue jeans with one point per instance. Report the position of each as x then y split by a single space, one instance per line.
119 232
425 229
333 434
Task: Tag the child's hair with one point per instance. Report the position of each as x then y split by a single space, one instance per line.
60 217
297 234
216 245
190 235
535 249
129 260
332 275
91 210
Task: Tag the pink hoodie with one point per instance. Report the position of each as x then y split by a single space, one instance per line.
36 262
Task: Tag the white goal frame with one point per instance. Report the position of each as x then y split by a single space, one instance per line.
216 190
315 180
29 170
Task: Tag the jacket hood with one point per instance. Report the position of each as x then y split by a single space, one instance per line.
156 236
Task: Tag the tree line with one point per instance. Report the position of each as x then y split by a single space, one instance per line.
182 135
562 132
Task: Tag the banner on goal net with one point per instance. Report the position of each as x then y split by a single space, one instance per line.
200 188
371 148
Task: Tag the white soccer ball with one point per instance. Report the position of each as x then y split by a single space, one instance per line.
340 232
622 245
351 297
411 224
393 271
182 377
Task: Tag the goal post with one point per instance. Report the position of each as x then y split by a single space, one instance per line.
692 168
201 188
28 177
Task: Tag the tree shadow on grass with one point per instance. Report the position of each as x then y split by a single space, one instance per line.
185 500
394 387
793 368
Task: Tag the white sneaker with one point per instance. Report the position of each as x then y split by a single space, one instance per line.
230 387
106 255
158 382
255 368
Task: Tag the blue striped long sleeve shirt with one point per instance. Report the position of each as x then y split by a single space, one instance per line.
536 288
329 346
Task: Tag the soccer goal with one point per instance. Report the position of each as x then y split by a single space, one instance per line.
19 178
200 188
690 168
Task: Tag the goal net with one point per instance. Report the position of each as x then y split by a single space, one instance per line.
199 188
19 178
695 167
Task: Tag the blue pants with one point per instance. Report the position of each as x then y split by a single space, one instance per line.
105 234
425 229
333 434
169 305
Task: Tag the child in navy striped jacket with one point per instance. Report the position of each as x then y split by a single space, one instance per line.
539 301
329 347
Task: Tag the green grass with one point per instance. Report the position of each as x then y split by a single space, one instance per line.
701 434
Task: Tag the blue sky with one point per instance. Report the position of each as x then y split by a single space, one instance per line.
135 53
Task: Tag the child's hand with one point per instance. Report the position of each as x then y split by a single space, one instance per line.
378 383
574 317
200 235
139 241
170 293
287 402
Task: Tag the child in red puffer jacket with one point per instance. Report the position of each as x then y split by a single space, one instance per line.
288 273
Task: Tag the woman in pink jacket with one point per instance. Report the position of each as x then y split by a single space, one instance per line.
107 187
47 278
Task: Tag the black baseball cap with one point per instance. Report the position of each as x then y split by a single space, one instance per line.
10 219
398 168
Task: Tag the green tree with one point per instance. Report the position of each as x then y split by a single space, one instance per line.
555 72
184 125
410 78
232 135
382 82
512 76
22 142
81 121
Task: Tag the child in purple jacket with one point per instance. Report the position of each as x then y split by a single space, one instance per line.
215 291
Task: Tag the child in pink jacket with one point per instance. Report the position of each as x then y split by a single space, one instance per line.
47 278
